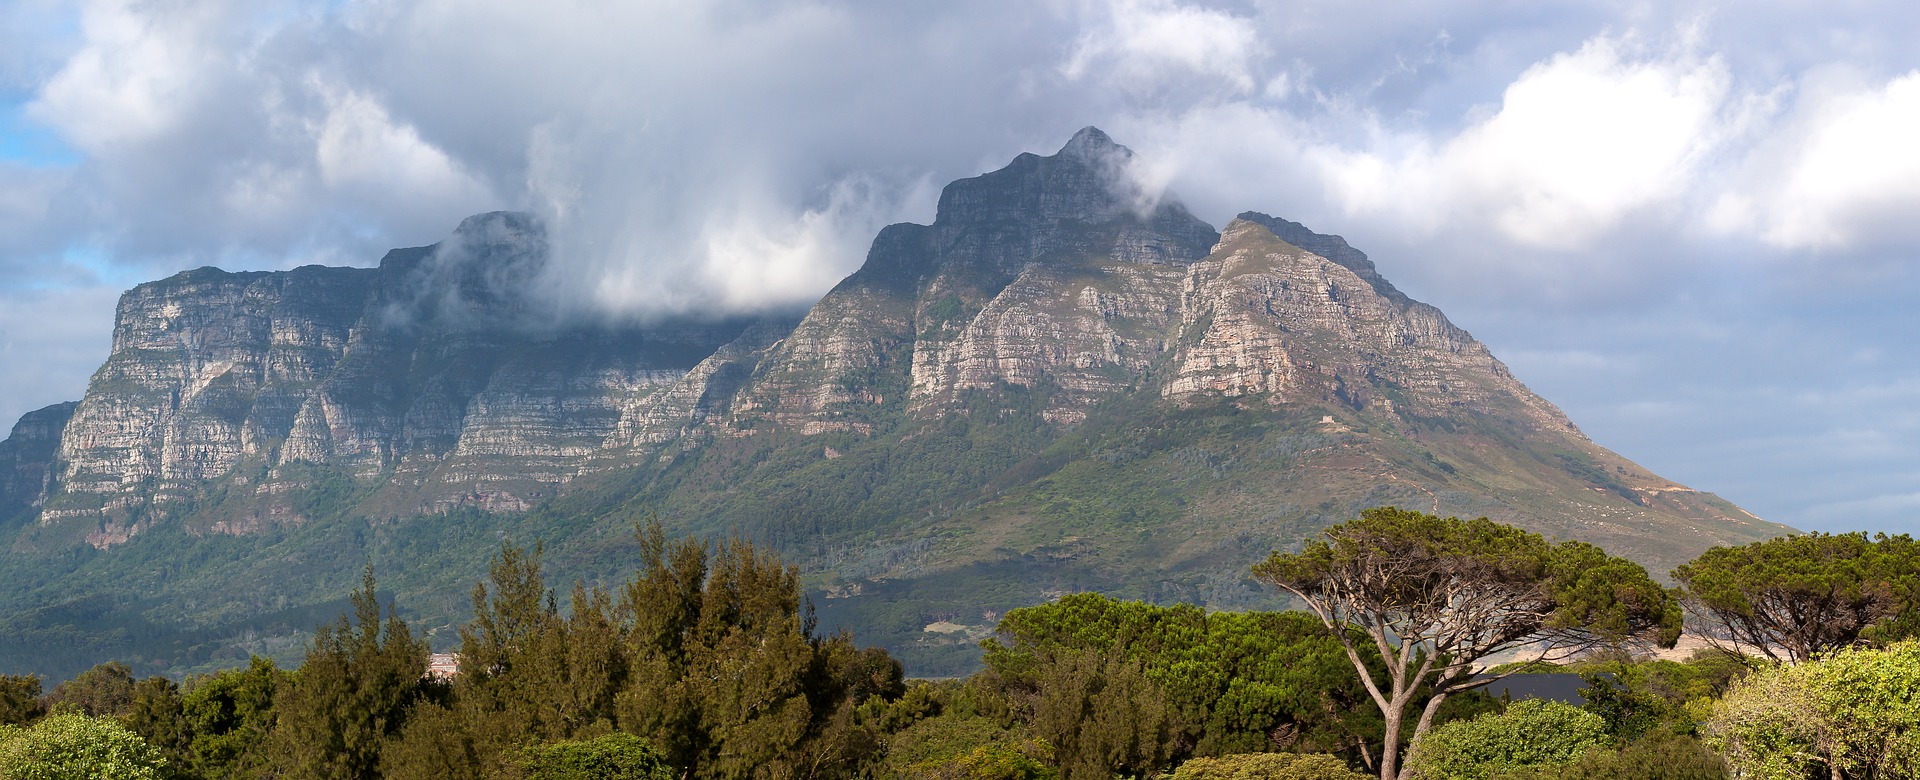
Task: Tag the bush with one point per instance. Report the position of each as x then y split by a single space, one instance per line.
1857 711
71 746
1531 733
1660 755
1267 766
1025 761
610 757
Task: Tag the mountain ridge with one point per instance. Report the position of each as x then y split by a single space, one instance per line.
1057 384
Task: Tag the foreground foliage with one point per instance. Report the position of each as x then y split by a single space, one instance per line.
1797 597
1530 733
1437 595
1267 766
72 746
1127 686
705 663
607 757
1853 714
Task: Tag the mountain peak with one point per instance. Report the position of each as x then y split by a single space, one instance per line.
500 227
1330 247
1091 145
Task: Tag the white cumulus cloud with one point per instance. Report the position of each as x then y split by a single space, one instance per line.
1579 145
1146 45
1845 171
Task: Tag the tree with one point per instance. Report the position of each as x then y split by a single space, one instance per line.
528 673
229 716
727 677
158 714
105 689
1102 716
1854 713
71 746
1796 597
1238 682
1660 755
1437 596
433 745
20 702
351 695
1530 733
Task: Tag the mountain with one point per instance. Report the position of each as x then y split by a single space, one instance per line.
1060 384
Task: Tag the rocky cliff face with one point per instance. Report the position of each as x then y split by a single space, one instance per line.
430 375
435 381
1058 384
26 457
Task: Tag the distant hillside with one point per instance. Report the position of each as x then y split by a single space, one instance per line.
1058 385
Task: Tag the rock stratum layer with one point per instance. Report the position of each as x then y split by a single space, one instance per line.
1058 384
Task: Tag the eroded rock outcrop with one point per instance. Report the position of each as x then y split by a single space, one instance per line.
433 374
441 379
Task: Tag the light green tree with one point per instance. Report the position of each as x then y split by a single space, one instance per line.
1530 733
71 746
607 757
1853 714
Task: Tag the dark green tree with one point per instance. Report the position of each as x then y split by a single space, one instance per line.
158 713
1622 697
105 689
351 695
1103 716
529 673
20 702
229 716
727 677
1240 682
433 745
1797 597
1436 596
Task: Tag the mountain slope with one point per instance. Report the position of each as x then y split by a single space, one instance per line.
1059 384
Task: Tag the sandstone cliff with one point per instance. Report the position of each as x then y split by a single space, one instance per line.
26 457
430 378
1060 383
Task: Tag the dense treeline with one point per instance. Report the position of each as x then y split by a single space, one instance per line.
706 663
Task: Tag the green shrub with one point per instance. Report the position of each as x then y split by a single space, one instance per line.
1660 755
71 746
1531 733
1267 766
1857 711
610 757
1025 761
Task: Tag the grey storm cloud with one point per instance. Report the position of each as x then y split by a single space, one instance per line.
1666 215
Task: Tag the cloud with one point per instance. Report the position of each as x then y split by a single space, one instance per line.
1849 172
1580 144
1144 46
1613 194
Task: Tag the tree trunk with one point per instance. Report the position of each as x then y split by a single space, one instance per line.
1390 747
